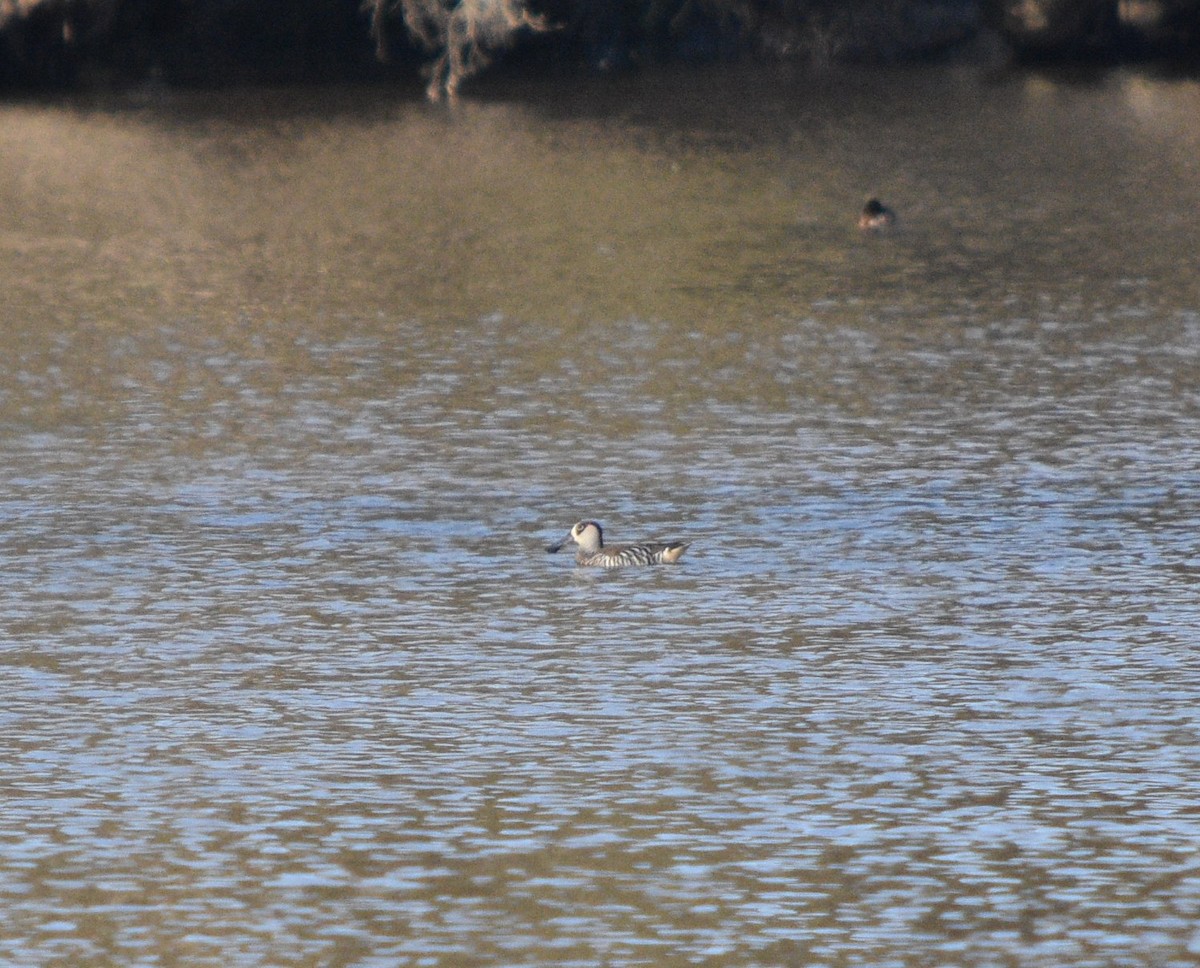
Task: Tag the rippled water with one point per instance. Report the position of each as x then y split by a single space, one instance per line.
295 394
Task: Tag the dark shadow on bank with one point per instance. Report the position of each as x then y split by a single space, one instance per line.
71 45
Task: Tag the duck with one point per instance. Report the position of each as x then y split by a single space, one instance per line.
594 553
876 217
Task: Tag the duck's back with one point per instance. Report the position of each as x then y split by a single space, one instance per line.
618 556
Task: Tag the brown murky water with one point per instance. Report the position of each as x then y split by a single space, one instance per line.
297 386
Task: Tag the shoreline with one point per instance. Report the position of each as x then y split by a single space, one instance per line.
55 46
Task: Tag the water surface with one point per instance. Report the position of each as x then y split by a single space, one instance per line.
298 385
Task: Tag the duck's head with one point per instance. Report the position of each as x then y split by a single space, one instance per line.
586 534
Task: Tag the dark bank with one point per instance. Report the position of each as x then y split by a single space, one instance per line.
72 44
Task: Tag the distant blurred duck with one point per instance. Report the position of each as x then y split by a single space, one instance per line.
593 551
876 217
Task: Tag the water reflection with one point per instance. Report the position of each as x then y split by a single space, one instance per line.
290 679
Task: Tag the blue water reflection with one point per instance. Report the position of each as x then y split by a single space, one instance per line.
289 678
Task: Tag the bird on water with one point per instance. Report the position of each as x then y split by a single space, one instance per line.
876 216
592 550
